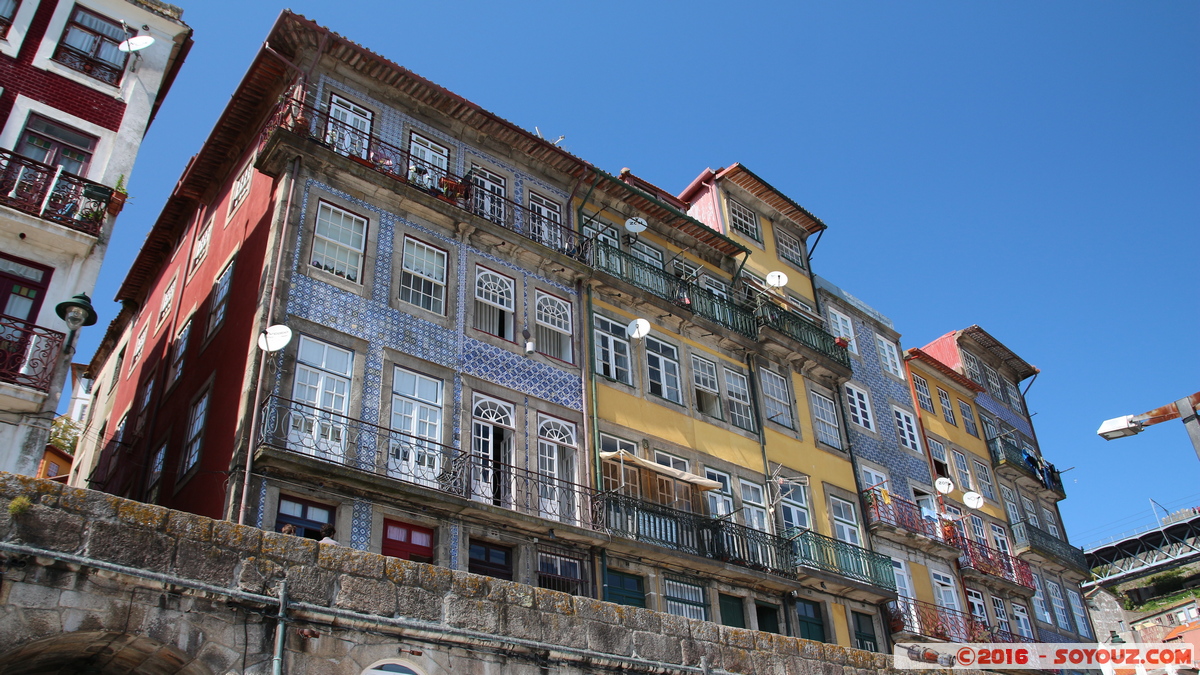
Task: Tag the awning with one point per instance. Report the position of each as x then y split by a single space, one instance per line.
699 482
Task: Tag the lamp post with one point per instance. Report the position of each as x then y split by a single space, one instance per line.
1184 409
76 313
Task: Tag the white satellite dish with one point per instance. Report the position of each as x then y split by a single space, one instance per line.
136 43
274 338
777 279
973 500
944 486
637 329
635 225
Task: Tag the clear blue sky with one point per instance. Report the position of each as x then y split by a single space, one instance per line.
1031 167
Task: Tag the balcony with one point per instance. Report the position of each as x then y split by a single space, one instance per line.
49 193
28 353
825 553
904 522
541 226
654 280
803 331
1011 461
991 564
1048 549
913 619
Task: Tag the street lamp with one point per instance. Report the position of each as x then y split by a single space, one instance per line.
76 313
1185 408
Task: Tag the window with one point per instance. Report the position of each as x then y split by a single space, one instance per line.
349 129
1060 606
984 477
602 232
144 404
556 469
754 506
993 383
8 9
811 625
947 408
89 45
308 517
968 418
417 413
906 429
624 589
321 392
390 669
662 362
738 388
1081 621
489 195
1014 396
720 501
941 463
494 303
860 407
545 221
974 369
241 190
430 161
1039 600
744 220
216 315
667 459
922 389
168 297
794 506
117 369
178 353
733 610
706 388
978 608
612 350
1031 513
490 560
977 531
789 248
138 346
845 524
23 286
1051 522
873 479
1010 504
1000 538
944 591
864 632
492 433
195 433
647 254
684 599
562 571
841 326
1021 617
552 330
776 398
200 249
338 242
825 420
155 475
408 542
423 279
962 471
889 358
57 145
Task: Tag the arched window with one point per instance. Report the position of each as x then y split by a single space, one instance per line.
392 668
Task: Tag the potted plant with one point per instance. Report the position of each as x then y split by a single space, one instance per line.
842 342
119 194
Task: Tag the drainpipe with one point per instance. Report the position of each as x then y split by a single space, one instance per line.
758 419
584 364
280 630
591 375
262 357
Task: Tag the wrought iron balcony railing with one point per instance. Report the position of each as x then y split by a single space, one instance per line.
657 281
928 620
993 562
825 553
1028 537
1006 453
28 353
75 59
906 515
49 192
542 226
307 430
802 330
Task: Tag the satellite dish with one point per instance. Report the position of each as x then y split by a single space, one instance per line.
777 279
973 500
637 329
274 338
944 486
635 225
136 43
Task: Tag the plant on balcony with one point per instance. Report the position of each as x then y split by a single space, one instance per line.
119 194
842 342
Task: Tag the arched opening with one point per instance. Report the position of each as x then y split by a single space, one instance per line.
390 668
98 653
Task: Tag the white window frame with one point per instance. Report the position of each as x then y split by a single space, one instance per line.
962 471
423 275
983 476
666 366
973 367
826 426
495 298
978 531
977 605
1010 504
1051 522
348 128
342 243
840 325
945 591
220 301
754 506
1081 619
921 386
947 406
741 409
1059 603
776 398
1039 600
553 327
744 220
1014 396
545 220
889 356
707 386
557 465
789 248
793 505
845 527
1000 538
1031 515
419 414
490 196
1021 618
685 599
859 403
612 350
240 189
178 353
720 501
431 157
968 416
323 387
1001 614
674 461
906 429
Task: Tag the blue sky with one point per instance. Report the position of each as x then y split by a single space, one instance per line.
1030 167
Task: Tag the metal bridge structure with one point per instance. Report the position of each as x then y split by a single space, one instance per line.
1173 543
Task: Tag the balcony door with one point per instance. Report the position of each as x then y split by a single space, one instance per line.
349 128
492 431
317 423
489 194
415 454
905 602
556 470
22 288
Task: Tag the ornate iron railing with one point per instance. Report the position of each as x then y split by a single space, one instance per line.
28 353
1007 453
395 162
307 430
993 562
653 279
802 330
1026 536
48 192
825 553
89 65
928 620
906 515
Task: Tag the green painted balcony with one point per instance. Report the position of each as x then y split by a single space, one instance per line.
1049 549
828 554
1013 462
804 331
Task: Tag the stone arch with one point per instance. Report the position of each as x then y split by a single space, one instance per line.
99 653
393 667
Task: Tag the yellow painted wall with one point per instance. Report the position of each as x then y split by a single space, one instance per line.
841 627
922 584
